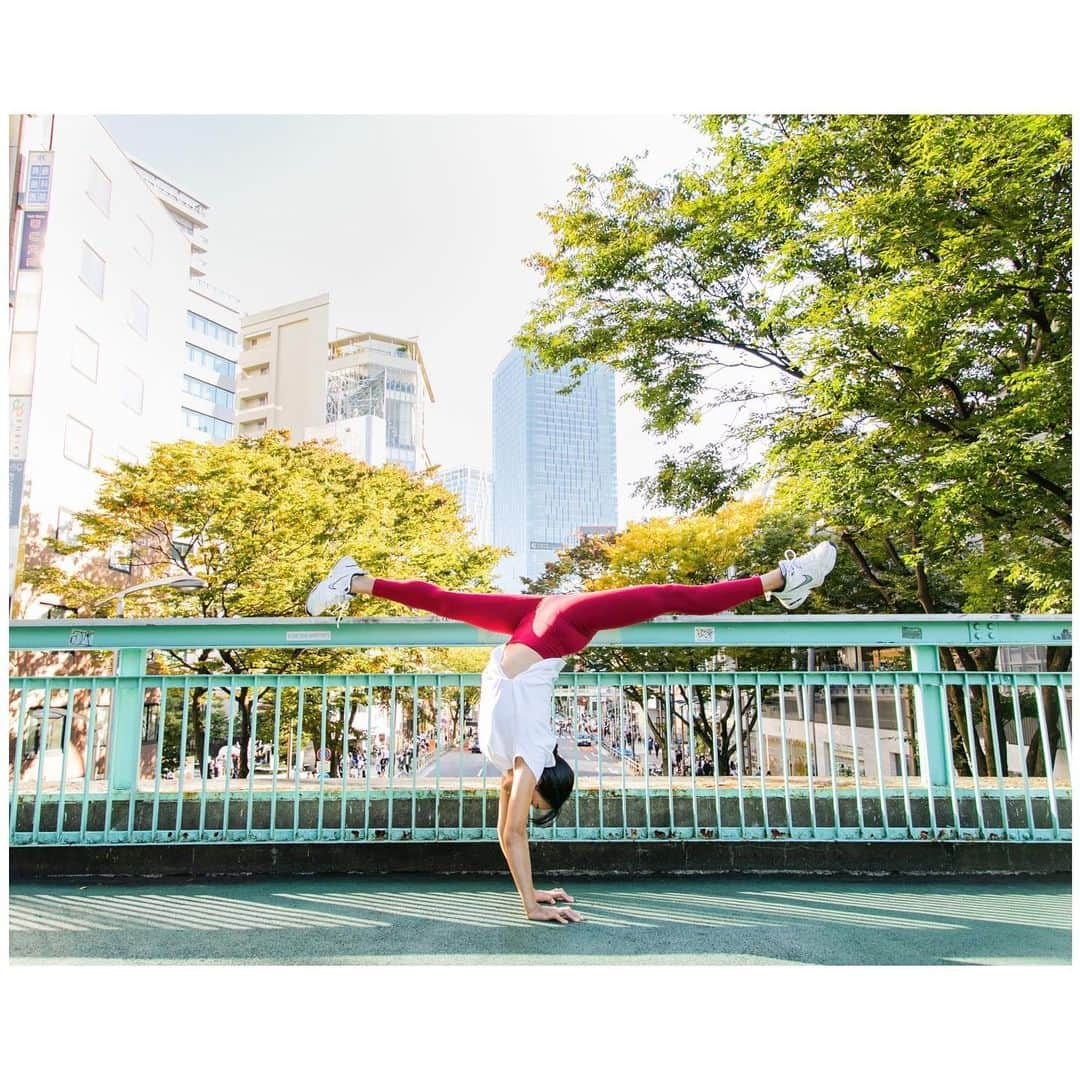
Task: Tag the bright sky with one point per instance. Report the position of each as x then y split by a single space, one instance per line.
413 224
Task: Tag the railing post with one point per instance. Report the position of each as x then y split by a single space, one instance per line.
931 719
126 722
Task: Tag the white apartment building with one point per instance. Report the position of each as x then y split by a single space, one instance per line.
207 391
474 487
363 390
99 280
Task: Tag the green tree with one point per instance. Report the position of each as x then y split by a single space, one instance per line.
746 536
260 522
906 280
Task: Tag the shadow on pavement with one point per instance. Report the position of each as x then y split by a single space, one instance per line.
654 920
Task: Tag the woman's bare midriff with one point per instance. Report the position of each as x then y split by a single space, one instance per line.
517 658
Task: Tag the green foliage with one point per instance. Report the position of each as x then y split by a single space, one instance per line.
747 537
261 521
903 285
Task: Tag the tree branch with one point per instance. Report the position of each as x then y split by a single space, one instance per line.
922 588
864 566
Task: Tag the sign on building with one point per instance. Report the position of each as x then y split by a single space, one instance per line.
39 167
33 240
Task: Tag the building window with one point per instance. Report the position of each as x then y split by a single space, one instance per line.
183 222
92 271
131 390
211 329
120 557
99 188
139 316
144 240
180 546
399 424
60 611
78 439
56 722
217 429
84 355
254 340
150 717
207 359
67 526
209 392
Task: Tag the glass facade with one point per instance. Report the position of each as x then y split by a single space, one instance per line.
554 463
208 392
211 425
372 389
210 328
210 375
473 487
207 359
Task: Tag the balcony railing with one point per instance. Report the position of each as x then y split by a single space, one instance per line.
226 299
916 753
173 193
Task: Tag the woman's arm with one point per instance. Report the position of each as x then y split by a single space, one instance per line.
514 841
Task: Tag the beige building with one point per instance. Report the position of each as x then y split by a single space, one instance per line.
366 391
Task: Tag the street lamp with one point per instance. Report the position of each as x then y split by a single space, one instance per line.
185 583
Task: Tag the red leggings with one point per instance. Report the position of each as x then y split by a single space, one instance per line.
566 622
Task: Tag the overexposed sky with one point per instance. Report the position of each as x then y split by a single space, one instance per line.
413 224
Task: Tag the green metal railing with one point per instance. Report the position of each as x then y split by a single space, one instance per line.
919 753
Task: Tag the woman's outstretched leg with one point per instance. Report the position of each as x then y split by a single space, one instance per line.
609 609
499 612
612 608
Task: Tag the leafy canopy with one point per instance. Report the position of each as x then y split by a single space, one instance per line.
260 522
899 288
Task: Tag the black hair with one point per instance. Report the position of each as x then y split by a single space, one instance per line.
555 784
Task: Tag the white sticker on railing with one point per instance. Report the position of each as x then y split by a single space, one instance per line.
307 635
704 633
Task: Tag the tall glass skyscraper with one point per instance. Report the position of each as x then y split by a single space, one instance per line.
473 487
553 462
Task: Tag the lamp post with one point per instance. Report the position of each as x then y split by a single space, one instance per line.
184 583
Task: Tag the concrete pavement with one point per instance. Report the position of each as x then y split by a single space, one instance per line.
718 920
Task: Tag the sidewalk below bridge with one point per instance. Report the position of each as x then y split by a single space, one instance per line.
717 920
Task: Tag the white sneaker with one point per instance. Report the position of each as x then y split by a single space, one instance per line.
803 573
333 590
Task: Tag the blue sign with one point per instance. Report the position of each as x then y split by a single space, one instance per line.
15 490
38 180
33 240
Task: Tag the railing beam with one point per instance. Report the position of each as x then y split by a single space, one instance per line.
125 725
931 716
781 631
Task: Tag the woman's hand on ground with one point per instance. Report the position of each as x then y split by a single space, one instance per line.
549 896
555 914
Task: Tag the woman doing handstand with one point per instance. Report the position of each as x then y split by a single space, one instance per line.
518 683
